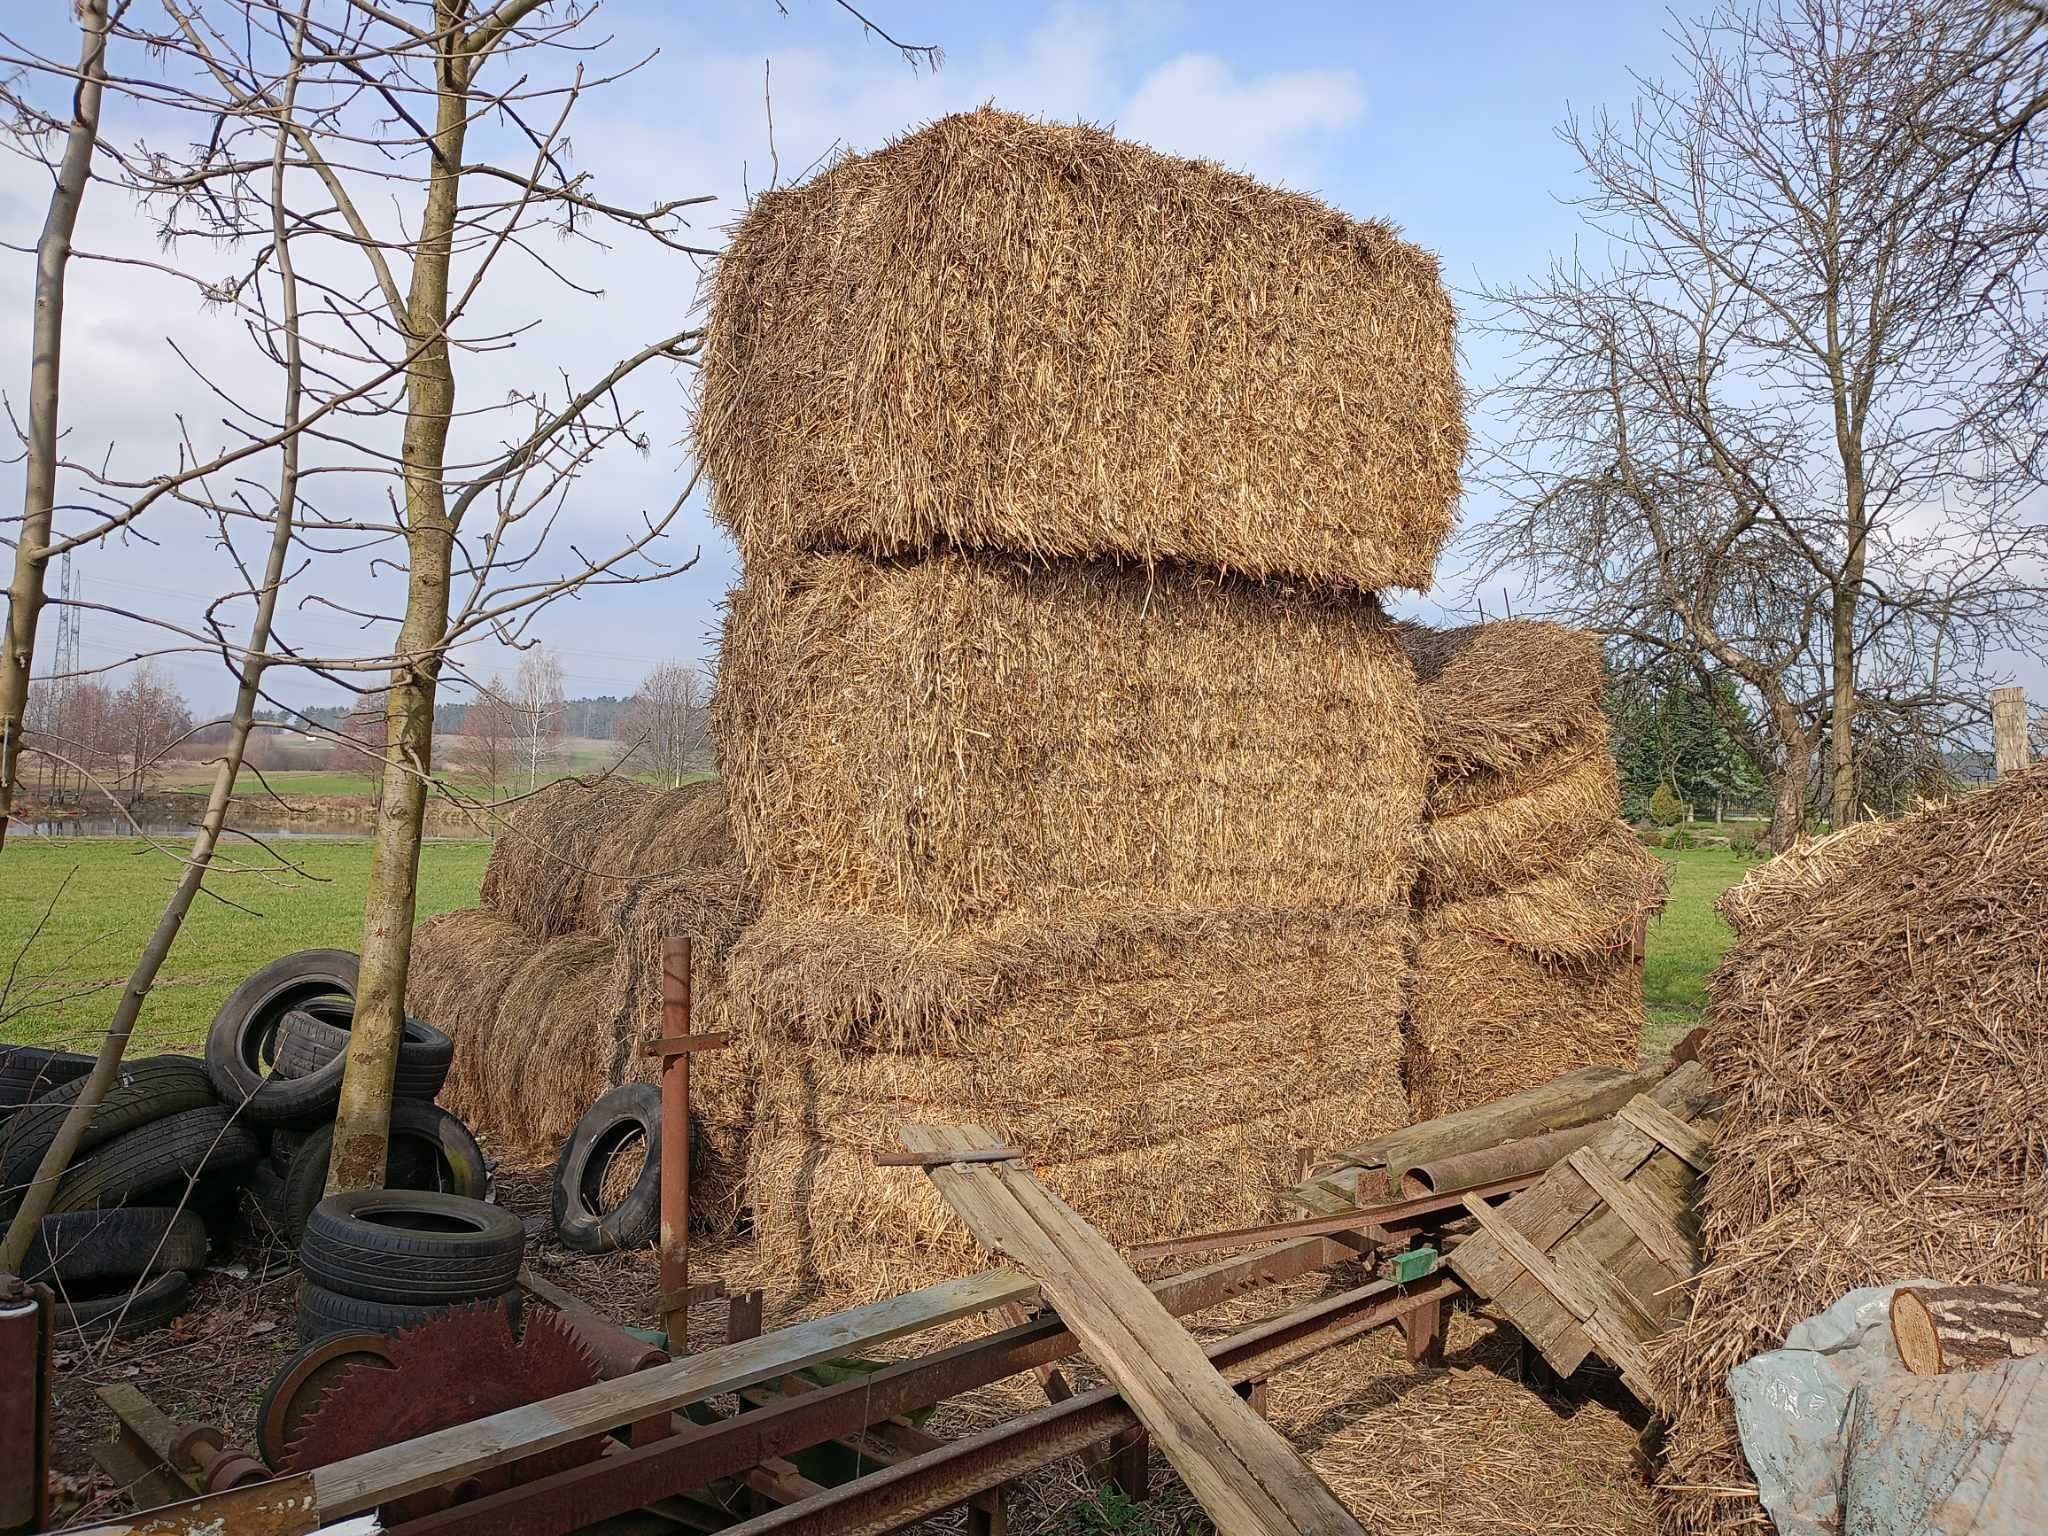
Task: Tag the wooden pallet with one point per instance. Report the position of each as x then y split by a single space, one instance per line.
1594 1257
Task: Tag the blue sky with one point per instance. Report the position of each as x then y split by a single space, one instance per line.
1439 117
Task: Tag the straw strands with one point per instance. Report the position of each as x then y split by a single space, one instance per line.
1006 335
1885 1061
957 739
1772 891
1504 697
1524 835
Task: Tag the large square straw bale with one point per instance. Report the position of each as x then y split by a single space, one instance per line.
951 740
1034 338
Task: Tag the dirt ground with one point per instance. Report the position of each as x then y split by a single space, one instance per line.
1470 1449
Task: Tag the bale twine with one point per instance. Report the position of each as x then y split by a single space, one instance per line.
1885 1066
957 741
1154 1103
1006 335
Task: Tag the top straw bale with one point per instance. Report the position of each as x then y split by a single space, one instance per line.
1036 339
1506 697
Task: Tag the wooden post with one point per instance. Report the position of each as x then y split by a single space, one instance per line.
1422 1332
2009 730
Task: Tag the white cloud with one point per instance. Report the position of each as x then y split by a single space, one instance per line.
1195 105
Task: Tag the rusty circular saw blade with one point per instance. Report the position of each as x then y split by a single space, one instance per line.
298 1388
461 1365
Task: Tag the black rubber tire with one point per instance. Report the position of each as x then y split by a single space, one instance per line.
285 1142
322 1312
429 1150
265 1189
161 1301
411 1248
165 1152
147 1089
241 1043
27 1072
629 1112
313 1036
88 1250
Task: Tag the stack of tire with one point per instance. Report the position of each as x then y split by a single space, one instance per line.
381 1260
276 1051
161 1162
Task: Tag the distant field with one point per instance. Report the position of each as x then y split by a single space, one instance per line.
64 984
286 781
1687 942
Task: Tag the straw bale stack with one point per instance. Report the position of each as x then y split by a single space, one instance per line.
1154 1098
1529 887
1885 1062
953 739
1000 334
549 988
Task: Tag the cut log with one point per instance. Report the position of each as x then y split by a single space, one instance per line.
1577 1098
1968 1327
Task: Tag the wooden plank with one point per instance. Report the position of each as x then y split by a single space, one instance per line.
1240 1468
284 1506
929 1159
1620 1330
1658 1123
376 1477
1643 1216
1533 1260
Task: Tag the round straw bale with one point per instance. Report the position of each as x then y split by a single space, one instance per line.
1007 335
547 851
1586 910
1528 836
1504 697
460 963
1884 1065
959 739
1491 1019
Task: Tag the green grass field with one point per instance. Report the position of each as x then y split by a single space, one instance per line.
286 781
64 983
1687 942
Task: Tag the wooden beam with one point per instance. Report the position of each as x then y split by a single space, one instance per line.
2009 746
1239 1467
432 1461
1660 1125
1654 1229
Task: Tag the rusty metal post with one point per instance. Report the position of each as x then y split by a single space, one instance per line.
675 1146
26 1323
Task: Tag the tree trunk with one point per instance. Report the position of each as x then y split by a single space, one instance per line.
1793 774
1968 1327
39 477
362 1121
1842 800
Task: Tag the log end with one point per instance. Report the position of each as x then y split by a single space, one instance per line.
1914 1334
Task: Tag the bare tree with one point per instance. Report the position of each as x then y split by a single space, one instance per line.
39 491
490 737
1785 431
537 702
665 720
150 717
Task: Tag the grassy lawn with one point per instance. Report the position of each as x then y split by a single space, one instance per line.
64 985
286 781
1687 942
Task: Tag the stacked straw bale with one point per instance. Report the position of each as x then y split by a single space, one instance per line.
1032 338
1071 755
1529 885
1885 1062
549 988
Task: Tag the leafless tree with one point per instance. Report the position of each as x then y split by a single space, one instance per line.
150 717
666 721
1782 428
490 737
349 181
537 702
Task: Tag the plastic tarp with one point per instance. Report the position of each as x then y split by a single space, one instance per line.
1792 1406
1966 1451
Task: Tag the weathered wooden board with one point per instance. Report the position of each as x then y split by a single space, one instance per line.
1243 1472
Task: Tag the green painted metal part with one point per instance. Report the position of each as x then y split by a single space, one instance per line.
1405 1268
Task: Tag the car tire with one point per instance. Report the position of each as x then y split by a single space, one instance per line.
81 1251
323 1312
124 1312
27 1072
625 1114
146 1090
411 1248
429 1150
317 1034
169 1151
241 1043
265 1188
